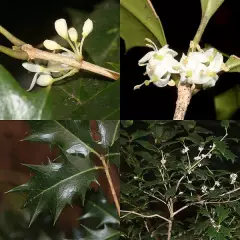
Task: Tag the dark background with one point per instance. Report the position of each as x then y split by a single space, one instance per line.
180 20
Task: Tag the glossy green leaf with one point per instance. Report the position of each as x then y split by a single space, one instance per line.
74 137
147 145
139 134
107 233
85 95
109 132
17 104
209 7
139 16
126 123
54 185
97 207
227 103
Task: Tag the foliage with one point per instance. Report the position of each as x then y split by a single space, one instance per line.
67 179
165 167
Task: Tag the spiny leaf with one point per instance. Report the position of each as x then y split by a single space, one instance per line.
98 207
73 136
54 185
107 233
140 16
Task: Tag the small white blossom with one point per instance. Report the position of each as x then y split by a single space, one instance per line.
189 181
87 28
51 45
199 164
233 178
152 189
163 161
180 193
204 189
212 188
217 183
203 155
209 155
197 158
185 150
200 148
61 28
72 32
135 177
160 64
45 80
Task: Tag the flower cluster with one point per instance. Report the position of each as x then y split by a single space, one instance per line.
200 67
44 76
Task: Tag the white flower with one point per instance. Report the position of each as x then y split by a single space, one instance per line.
204 189
200 148
185 150
217 183
61 28
233 178
203 155
201 67
87 27
209 155
44 80
197 158
189 181
135 177
180 193
199 164
51 45
163 161
212 188
72 32
160 63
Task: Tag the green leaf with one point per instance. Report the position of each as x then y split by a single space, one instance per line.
147 145
17 104
126 123
74 137
54 185
209 7
188 124
195 138
97 207
225 124
170 192
139 134
227 103
222 213
107 233
233 63
222 147
109 132
140 16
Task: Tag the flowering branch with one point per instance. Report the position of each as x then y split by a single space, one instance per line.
63 64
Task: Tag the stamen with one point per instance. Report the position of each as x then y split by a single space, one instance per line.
33 81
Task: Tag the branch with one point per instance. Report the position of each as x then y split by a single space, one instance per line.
144 216
183 99
115 198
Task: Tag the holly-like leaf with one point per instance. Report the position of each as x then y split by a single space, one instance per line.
107 233
233 63
54 185
97 207
74 137
140 16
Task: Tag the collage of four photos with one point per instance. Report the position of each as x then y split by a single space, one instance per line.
120 119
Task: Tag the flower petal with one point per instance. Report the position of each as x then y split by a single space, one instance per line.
32 67
61 28
146 57
44 80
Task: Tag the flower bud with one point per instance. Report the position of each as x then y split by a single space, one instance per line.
44 80
51 45
61 28
87 27
32 67
72 32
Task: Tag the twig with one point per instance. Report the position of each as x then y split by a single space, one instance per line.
183 99
169 230
34 53
234 190
106 168
144 216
